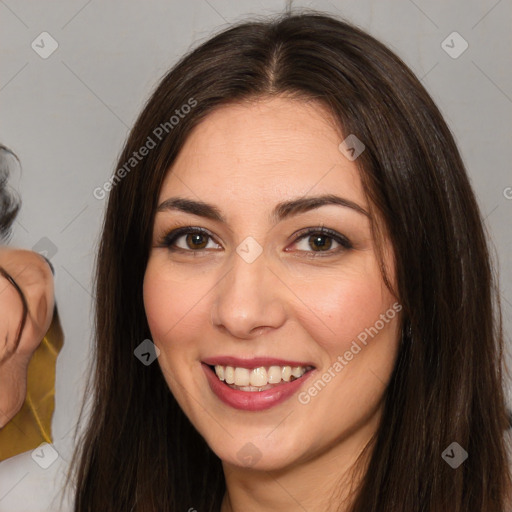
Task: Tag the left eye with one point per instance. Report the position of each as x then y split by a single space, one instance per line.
321 240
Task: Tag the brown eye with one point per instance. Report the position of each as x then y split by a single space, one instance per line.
196 240
189 239
322 242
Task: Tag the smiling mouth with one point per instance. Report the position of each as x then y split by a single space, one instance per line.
260 378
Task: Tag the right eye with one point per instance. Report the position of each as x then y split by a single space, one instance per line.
187 239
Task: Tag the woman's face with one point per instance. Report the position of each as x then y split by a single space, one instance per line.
264 297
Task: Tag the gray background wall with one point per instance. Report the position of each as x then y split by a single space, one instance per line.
67 115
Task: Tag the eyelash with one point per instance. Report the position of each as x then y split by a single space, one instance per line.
170 238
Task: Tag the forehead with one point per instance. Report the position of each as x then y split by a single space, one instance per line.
262 152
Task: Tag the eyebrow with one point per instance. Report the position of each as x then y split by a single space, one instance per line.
280 212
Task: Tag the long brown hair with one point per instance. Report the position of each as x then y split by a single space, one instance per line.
140 453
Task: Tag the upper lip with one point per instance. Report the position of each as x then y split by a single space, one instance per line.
254 362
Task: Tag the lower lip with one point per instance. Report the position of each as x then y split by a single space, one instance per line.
253 400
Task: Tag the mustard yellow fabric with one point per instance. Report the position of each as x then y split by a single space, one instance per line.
32 425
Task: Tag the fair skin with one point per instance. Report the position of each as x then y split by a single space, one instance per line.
34 277
209 301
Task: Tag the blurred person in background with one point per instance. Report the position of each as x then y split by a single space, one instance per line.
30 333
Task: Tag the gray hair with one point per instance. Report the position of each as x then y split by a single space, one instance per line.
9 201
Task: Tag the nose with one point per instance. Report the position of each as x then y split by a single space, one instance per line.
249 300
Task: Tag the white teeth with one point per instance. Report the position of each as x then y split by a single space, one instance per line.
274 375
229 374
258 378
297 371
242 377
219 370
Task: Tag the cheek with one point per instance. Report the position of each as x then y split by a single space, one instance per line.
355 325
156 298
337 309
171 305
